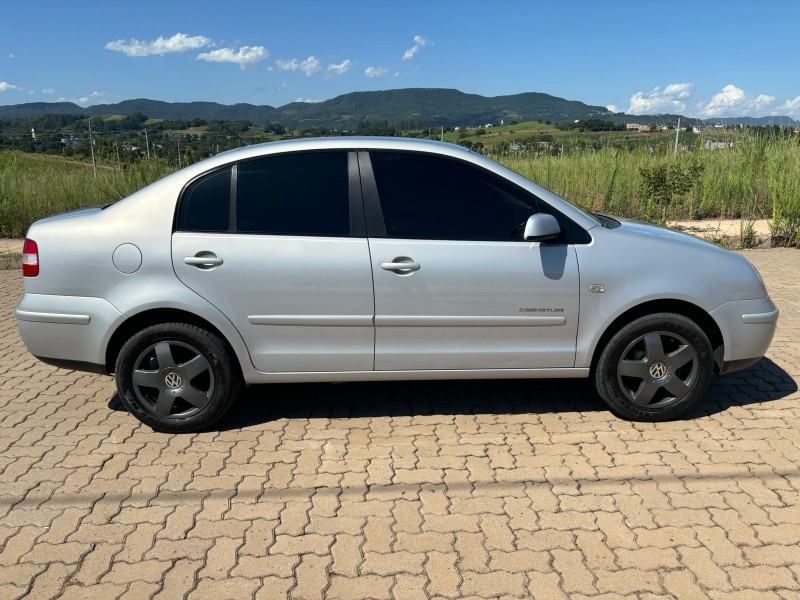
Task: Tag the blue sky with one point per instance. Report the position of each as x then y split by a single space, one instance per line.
701 58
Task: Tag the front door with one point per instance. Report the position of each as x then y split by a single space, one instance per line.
455 286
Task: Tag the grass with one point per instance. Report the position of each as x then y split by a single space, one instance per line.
758 178
37 186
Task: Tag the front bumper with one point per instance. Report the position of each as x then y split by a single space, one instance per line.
67 329
747 328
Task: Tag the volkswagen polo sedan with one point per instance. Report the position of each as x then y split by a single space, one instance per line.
363 259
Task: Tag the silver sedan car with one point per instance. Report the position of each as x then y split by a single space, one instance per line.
363 259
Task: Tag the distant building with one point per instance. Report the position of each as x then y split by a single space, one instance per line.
709 145
637 127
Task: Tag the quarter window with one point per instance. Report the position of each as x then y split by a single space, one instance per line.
294 194
206 203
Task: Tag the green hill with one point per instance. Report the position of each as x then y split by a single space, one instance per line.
425 106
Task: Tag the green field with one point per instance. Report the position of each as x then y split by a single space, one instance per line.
758 178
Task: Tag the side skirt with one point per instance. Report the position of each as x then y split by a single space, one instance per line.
566 373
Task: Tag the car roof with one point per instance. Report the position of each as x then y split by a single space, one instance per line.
345 142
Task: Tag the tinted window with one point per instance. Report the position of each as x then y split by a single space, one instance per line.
430 197
302 194
206 203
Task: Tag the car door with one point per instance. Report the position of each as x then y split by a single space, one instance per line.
278 245
455 285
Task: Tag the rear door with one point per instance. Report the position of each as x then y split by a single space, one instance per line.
456 287
278 245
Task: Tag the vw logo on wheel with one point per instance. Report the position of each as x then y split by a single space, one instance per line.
658 370
174 381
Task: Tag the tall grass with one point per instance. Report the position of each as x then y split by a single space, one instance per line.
758 178
33 187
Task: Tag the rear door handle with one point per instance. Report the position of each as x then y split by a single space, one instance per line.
203 260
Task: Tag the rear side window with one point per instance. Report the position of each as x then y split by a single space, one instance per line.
206 203
294 194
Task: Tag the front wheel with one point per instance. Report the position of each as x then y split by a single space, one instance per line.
655 368
176 377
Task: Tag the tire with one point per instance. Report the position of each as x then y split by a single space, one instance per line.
177 378
655 368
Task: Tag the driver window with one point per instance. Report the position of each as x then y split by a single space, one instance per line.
432 197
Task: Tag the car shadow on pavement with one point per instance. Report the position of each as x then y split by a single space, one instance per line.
764 382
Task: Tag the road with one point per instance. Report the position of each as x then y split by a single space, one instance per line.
491 489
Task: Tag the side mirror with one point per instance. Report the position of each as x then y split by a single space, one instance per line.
541 227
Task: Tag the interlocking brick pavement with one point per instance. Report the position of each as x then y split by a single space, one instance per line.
493 489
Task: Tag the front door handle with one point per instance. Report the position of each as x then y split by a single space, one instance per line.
401 264
203 260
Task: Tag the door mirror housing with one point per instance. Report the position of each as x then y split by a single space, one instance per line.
541 227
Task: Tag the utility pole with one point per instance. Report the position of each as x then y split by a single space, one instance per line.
677 133
147 143
91 145
442 132
179 154
116 147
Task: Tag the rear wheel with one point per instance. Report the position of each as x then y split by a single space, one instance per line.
655 368
176 377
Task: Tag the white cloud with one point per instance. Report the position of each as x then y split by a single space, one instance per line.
376 71
48 91
613 108
280 86
246 56
682 91
11 55
93 98
341 68
308 100
180 42
730 101
733 101
419 43
791 106
309 66
5 86
670 99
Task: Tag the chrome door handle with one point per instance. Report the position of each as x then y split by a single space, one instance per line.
203 261
400 266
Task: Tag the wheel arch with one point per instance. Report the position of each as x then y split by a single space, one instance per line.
158 316
681 307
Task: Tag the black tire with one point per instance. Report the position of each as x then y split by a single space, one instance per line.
655 368
177 378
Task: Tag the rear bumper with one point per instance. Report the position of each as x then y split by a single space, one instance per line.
67 331
747 328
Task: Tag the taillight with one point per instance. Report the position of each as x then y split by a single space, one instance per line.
30 259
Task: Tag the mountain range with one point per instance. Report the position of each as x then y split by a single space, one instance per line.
430 107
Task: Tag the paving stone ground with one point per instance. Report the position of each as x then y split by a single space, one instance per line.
493 489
